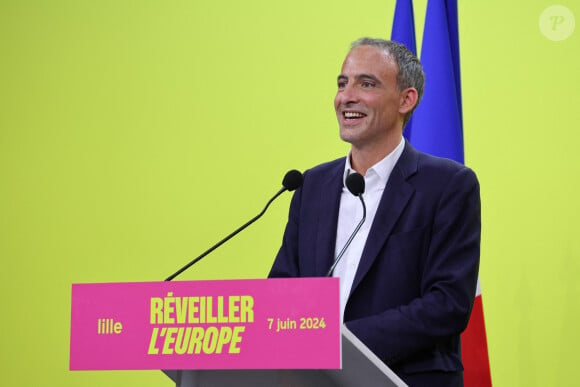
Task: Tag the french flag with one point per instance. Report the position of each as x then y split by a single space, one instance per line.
437 128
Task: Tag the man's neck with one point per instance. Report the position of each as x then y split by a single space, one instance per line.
363 158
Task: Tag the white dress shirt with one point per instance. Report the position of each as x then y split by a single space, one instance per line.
350 214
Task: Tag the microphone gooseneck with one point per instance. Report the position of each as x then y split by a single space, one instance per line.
355 183
292 180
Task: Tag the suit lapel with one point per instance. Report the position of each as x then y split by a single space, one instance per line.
395 197
329 200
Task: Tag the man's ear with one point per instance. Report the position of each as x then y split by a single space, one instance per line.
408 100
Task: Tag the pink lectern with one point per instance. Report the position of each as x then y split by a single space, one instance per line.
265 332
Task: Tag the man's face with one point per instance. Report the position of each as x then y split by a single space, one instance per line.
368 100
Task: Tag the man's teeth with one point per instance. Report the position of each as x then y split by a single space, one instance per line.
353 115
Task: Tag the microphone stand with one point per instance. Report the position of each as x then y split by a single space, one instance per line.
359 225
227 238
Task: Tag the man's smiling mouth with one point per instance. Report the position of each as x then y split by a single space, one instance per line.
353 115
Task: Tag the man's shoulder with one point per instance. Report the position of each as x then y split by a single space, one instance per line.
323 176
329 167
424 168
426 162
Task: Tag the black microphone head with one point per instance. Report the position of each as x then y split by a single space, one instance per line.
355 183
292 180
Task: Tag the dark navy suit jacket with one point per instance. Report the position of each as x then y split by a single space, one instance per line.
415 285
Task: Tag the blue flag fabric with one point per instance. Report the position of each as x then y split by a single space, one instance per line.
438 120
403 31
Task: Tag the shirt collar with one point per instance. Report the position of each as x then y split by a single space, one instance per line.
382 169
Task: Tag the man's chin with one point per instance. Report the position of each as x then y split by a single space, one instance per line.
349 134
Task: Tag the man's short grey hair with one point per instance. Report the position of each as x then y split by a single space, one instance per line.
410 70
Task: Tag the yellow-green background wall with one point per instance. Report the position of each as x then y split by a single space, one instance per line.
135 134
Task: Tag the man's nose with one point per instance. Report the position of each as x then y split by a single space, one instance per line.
348 95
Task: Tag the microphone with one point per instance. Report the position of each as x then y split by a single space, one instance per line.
356 185
292 180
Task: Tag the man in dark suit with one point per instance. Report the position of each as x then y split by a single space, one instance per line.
408 279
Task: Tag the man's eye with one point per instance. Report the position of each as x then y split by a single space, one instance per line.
367 84
341 85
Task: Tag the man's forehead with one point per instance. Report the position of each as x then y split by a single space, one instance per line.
369 53
367 61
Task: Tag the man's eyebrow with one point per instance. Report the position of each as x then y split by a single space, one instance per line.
343 77
368 76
